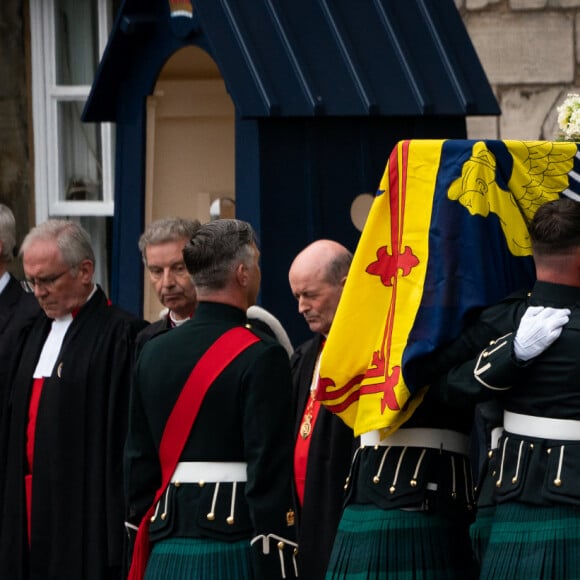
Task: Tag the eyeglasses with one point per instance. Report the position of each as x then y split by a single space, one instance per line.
46 282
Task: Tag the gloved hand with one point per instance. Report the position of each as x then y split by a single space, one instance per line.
539 327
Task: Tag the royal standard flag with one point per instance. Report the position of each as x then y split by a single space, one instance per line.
447 235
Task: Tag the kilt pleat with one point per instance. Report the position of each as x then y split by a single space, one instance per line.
480 531
405 545
533 543
187 558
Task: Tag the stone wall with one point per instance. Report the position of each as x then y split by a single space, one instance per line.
530 50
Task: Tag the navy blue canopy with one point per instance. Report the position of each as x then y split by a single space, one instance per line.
304 58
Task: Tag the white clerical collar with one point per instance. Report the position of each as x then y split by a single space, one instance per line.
91 294
4 279
52 346
176 322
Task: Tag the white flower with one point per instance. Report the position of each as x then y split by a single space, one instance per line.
569 117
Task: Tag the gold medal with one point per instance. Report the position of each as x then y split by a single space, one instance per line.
306 426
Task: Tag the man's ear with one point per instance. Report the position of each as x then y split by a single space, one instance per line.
86 269
242 274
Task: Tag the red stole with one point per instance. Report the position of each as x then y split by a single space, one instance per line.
304 437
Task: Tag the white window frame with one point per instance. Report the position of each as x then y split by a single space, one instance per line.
46 96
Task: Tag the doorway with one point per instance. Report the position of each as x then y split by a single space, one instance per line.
190 149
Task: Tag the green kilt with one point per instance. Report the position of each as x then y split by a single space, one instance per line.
400 544
480 531
187 558
536 542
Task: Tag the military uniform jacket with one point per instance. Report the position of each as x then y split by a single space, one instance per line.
537 470
245 417
329 458
77 498
401 477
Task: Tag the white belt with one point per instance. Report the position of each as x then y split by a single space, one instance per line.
541 427
209 471
420 437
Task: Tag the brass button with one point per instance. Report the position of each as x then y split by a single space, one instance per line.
211 516
230 520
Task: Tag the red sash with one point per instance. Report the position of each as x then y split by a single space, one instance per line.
221 353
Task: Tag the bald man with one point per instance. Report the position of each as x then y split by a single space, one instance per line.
324 445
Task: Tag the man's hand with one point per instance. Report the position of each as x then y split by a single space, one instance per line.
539 327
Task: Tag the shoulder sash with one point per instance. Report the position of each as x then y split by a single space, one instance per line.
178 427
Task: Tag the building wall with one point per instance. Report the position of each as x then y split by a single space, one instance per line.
530 50
15 139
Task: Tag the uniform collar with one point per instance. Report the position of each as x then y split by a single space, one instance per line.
216 311
555 295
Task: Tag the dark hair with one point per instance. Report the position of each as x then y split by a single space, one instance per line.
215 249
555 227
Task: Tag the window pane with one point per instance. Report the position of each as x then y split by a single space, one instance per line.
100 230
76 41
80 161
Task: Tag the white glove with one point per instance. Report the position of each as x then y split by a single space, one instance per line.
539 327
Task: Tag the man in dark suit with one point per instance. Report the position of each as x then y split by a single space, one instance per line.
17 307
324 445
226 513
161 247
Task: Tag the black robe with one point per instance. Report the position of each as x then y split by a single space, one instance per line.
329 458
18 309
77 503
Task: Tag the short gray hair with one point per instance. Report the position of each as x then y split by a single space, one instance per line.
215 249
170 229
7 233
337 269
72 240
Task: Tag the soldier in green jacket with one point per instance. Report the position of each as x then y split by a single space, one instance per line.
227 512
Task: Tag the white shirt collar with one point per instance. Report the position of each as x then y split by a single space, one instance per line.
4 279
